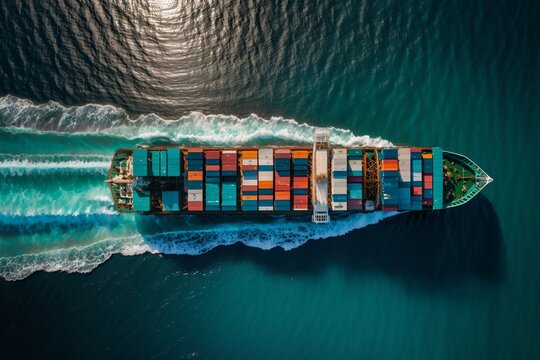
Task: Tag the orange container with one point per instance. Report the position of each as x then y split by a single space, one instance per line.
427 156
195 150
417 190
300 207
389 167
249 197
300 185
301 154
195 175
212 167
283 195
266 184
249 154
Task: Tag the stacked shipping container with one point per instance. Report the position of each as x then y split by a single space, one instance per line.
266 179
339 179
211 179
404 161
282 183
389 178
416 198
354 179
300 179
195 179
229 180
427 179
249 169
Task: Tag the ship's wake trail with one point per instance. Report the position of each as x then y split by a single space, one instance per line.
56 213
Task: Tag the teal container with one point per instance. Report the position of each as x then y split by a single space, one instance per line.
155 163
170 200
163 163
140 162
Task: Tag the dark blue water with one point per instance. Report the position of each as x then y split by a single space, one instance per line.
81 78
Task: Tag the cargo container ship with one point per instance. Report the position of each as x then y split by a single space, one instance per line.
318 180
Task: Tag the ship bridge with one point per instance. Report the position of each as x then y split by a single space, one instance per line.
319 177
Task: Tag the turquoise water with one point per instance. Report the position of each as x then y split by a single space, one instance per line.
462 283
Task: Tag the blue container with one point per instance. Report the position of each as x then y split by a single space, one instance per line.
195 155
266 203
300 191
416 155
300 161
389 153
266 191
170 200
354 153
195 185
428 193
228 207
212 173
229 173
339 174
249 193
266 168
354 186
339 197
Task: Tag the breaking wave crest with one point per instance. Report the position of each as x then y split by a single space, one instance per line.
195 128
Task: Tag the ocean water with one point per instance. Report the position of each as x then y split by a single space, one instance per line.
81 79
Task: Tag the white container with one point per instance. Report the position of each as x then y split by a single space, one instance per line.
250 182
339 206
266 208
249 161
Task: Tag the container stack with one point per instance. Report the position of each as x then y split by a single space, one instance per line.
300 179
354 179
140 162
173 162
154 169
195 179
211 179
163 163
389 174
416 198
141 200
171 200
339 179
282 184
266 180
229 180
249 170
427 180
404 163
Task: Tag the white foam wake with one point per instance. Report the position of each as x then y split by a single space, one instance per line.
279 233
195 128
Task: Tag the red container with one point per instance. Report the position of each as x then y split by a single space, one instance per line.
266 197
300 185
249 187
354 179
417 190
212 167
250 167
354 202
282 156
428 202
300 199
282 187
195 206
228 167
213 154
300 207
